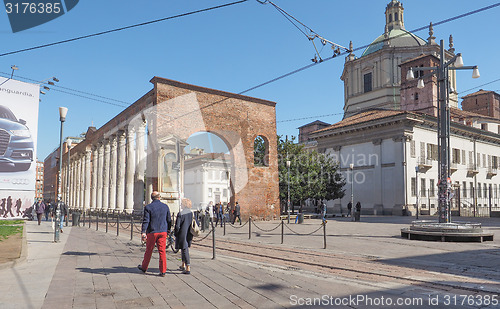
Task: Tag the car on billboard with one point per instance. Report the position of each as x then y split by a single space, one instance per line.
16 144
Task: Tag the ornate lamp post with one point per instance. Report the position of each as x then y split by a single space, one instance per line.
442 73
351 167
62 117
416 188
288 200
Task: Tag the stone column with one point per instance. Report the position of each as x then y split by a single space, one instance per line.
120 172
93 190
378 180
72 188
140 167
112 173
99 174
82 180
86 202
105 169
149 178
129 177
77 182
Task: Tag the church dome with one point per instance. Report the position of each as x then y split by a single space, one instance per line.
397 38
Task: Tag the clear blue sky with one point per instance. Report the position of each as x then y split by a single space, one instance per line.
230 49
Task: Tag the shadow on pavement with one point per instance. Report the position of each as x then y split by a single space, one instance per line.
79 253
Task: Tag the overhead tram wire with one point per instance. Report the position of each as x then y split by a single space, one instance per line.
311 37
121 28
78 93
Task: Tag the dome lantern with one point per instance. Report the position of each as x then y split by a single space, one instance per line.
394 16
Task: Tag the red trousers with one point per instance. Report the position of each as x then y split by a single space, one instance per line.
160 239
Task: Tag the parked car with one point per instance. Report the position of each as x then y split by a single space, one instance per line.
16 144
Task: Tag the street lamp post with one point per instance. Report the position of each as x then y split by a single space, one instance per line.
442 72
351 167
288 200
416 189
62 117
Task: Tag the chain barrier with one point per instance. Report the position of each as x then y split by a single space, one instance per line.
111 224
238 227
321 226
204 237
125 228
138 227
264 230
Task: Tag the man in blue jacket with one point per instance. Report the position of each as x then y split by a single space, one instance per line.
155 226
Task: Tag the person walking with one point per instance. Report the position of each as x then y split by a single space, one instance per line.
220 214
40 210
323 211
183 235
155 228
63 214
47 211
210 209
237 213
349 209
9 207
358 211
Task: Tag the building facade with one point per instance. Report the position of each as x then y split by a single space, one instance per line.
387 143
206 179
39 181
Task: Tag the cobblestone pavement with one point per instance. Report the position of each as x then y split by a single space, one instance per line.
365 265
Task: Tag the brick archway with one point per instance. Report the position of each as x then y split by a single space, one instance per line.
181 109
110 168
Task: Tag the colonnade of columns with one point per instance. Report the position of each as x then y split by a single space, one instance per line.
108 175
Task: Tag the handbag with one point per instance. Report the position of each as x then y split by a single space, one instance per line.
194 228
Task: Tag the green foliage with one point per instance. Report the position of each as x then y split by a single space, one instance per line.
7 230
312 174
11 222
259 152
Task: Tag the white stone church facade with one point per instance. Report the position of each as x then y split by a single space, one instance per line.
389 131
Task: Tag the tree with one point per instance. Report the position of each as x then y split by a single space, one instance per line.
259 152
312 174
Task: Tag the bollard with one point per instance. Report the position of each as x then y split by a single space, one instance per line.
83 224
250 227
90 220
97 222
282 230
131 227
213 242
224 227
324 235
117 225
106 221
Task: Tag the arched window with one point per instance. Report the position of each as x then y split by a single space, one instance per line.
261 151
390 18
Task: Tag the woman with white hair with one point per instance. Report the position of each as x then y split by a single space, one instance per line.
183 236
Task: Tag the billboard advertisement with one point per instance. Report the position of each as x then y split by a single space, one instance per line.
18 137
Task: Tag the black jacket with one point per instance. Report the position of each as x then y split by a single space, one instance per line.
183 236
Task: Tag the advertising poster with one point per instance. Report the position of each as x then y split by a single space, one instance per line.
18 137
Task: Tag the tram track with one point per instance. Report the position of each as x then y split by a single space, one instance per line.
359 267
